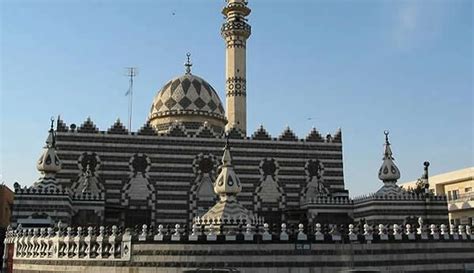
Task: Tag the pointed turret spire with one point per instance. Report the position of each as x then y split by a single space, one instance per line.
388 150
227 157
388 171
51 140
227 183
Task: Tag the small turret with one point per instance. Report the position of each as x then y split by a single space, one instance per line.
227 183
49 163
388 172
227 186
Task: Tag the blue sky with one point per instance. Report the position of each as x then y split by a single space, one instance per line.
364 66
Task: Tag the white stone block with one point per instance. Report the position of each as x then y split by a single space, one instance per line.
211 237
230 237
302 237
266 237
284 237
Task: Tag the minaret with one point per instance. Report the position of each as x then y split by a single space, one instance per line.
235 32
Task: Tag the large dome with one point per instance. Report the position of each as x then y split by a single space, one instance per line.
188 99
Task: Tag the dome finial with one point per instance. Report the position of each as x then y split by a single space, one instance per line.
386 133
51 140
188 63
52 123
227 158
388 150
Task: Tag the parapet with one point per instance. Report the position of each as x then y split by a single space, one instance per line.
248 248
178 129
407 196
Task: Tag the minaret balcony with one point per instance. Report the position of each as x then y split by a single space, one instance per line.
236 7
238 28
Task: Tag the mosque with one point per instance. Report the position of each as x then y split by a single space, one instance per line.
193 191
167 171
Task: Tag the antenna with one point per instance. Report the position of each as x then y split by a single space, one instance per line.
131 73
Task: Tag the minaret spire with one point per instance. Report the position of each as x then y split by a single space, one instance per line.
235 32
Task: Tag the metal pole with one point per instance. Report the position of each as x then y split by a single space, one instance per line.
131 73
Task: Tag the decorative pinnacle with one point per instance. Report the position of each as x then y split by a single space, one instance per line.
388 151
227 146
226 157
52 123
386 132
188 63
425 169
51 140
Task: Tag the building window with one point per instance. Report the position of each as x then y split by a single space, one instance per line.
468 189
455 194
450 196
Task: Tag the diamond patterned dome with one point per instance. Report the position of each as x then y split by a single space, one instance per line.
187 94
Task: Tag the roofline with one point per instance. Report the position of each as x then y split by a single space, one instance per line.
451 177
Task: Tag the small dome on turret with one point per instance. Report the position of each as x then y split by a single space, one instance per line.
49 161
388 171
227 183
49 164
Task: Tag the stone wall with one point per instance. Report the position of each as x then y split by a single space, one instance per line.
161 174
257 249
431 257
